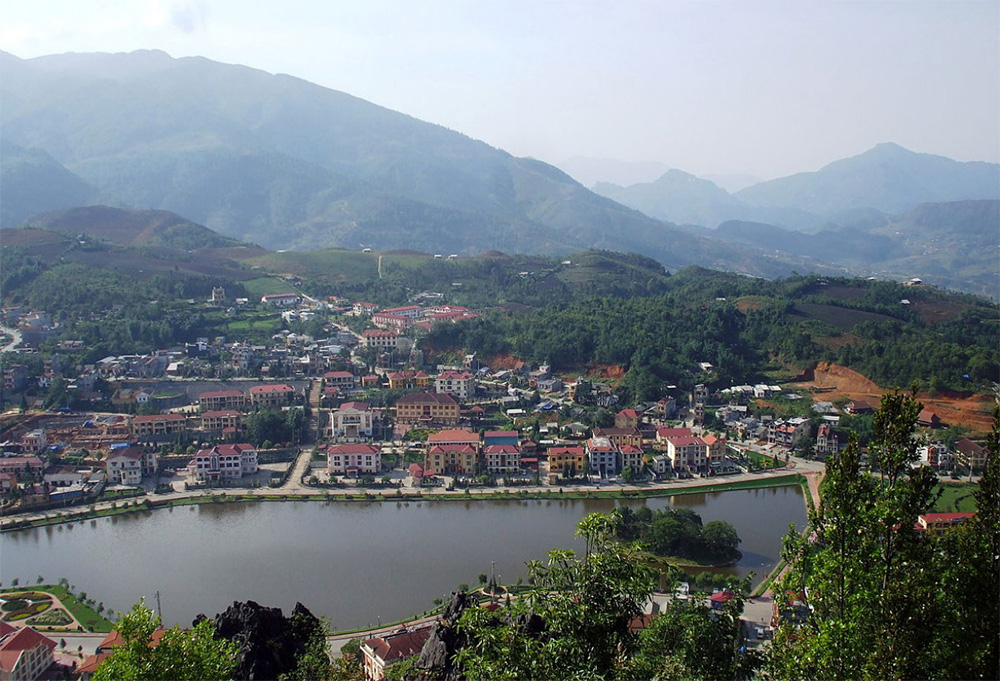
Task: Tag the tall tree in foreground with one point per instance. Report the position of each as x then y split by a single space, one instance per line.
579 621
881 592
194 655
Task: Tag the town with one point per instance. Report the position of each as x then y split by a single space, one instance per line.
362 409
355 411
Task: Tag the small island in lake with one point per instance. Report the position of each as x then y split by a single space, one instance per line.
678 533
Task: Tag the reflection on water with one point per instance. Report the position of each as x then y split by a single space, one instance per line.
352 562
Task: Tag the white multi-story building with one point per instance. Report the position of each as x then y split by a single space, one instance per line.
502 458
223 462
351 421
25 654
353 459
688 453
461 384
127 465
603 456
380 338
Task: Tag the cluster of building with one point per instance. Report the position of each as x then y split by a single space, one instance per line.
419 316
632 444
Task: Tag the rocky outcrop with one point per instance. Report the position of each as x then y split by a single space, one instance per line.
437 657
269 643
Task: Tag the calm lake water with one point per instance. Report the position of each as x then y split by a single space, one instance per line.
354 563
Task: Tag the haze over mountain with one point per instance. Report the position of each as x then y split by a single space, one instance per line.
287 164
887 177
884 180
590 171
31 182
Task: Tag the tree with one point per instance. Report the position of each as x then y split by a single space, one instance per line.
573 623
721 538
314 660
689 641
879 591
193 655
350 665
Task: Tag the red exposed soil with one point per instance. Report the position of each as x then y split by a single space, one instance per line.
834 381
934 311
614 372
503 362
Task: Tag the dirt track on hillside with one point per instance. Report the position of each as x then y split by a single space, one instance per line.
832 381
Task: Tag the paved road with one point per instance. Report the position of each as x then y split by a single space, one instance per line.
15 334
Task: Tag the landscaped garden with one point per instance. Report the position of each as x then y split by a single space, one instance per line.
52 606
24 604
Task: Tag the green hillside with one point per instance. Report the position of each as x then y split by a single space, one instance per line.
283 163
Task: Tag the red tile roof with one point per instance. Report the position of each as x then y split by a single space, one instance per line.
423 398
353 448
686 441
573 451
358 406
462 449
666 432
453 435
221 393
13 645
945 517
264 389
158 417
400 645
501 449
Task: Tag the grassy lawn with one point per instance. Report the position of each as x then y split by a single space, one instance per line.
956 497
264 286
764 461
83 613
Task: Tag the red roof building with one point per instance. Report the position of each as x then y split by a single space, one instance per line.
24 653
158 424
272 396
939 523
353 459
383 651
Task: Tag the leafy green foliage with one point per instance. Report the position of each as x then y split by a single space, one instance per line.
576 622
194 655
688 641
888 602
265 425
677 532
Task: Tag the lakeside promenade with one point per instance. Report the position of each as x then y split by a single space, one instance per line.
294 489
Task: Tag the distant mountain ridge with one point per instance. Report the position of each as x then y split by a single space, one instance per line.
287 164
131 228
887 177
885 180
281 162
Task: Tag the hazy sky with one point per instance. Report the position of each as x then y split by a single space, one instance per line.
768 88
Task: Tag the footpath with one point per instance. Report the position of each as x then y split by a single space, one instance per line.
293 487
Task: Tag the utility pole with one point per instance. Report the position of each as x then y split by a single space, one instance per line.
159 610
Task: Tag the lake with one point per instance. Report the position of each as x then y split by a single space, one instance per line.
354 563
